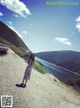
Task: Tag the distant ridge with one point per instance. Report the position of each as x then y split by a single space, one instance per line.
10 38
9 35
67 59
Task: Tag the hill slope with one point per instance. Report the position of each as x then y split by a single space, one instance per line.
10 38
67 59
49 94
9 35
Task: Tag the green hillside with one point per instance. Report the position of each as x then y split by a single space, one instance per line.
13 47
10 38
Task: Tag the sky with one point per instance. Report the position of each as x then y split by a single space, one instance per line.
44 25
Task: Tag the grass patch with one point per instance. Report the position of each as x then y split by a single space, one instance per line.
39 67
17 50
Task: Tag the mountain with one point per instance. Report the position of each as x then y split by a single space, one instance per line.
9 35
67 59
10 38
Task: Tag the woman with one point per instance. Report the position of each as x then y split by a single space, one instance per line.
27 71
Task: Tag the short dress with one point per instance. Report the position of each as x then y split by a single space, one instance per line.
28 70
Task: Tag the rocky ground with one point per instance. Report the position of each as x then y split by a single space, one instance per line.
41 90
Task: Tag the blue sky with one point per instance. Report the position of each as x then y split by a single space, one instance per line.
43 27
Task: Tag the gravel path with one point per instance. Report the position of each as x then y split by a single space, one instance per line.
40 92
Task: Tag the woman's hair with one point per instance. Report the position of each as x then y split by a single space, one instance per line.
32 57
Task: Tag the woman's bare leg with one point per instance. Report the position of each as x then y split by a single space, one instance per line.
24 81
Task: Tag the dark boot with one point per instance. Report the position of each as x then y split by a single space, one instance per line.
21 85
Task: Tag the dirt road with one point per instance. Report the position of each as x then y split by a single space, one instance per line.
40 91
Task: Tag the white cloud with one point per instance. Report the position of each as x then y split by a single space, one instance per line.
25 32
78 26
1 14
15 15
63 40
16 6
15 31
10 22
78 23
78 19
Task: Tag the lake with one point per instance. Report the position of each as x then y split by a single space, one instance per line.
59 72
